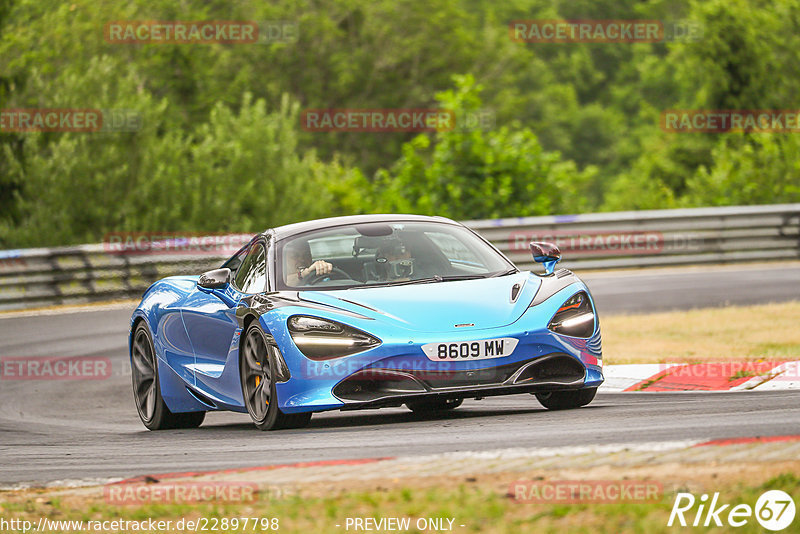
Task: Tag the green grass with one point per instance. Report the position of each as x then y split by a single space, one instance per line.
731 333
479 509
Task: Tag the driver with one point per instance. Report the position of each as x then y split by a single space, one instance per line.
298 264
395 262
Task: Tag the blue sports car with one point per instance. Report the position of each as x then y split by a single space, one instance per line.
362 312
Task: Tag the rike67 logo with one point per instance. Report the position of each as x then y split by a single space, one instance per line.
774 510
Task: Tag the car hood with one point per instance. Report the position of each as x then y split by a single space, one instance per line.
438 306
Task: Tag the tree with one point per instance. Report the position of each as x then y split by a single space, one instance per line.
10 144
748 169
466 173
239 171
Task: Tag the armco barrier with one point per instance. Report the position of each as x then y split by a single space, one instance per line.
654 238
37 277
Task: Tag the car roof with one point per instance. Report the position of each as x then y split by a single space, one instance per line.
288 230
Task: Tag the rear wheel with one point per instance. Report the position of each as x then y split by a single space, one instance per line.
147 389
439 405
258 388
565 400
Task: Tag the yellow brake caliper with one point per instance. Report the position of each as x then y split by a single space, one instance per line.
258 381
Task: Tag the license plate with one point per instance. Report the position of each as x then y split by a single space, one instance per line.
484 349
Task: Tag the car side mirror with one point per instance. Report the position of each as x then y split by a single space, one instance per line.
547 254
216 279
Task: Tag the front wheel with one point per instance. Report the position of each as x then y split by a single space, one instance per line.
565 400
258 388
152 409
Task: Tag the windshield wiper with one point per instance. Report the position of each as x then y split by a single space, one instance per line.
428 280
462 277
506 273
436 278
402 282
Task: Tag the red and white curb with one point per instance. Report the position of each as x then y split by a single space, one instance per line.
714 376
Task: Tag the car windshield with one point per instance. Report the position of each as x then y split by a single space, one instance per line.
386 253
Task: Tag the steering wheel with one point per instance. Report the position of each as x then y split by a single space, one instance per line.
335 274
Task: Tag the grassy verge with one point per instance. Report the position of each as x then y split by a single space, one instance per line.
764 332
476 507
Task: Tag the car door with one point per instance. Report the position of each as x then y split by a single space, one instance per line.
210 319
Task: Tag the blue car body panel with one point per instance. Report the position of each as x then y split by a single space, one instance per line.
196 335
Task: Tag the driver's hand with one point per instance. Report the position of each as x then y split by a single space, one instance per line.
319 267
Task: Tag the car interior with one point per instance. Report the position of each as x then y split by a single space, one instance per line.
363 260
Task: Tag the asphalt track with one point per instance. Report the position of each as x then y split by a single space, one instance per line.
66 430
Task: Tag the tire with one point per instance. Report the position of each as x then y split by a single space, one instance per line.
258 389
150 405
566 400
430 406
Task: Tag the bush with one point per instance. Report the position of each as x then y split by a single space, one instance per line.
474 174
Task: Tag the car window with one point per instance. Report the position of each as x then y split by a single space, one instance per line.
332 246
252 275
235 261
379 253
454 249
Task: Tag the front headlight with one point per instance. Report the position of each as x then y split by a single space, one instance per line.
322 339
575 317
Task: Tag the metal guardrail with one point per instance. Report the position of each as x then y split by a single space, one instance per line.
654 238
639 239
